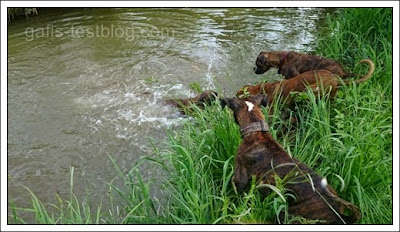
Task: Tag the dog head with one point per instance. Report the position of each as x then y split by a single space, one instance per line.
207 97
262 63
246 110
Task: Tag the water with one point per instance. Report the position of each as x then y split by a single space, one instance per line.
87 83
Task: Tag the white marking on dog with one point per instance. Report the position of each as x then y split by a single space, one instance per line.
249 105
324 182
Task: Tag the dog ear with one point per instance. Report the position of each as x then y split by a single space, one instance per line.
232 103
261 100
224 102
263 57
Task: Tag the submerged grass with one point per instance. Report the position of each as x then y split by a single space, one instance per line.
347 139
71 211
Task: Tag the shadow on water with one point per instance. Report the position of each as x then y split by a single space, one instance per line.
84 83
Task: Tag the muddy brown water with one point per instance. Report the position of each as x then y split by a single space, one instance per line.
87 83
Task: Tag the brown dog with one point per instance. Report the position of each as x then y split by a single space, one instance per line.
184 105
316 80
291 64
262 156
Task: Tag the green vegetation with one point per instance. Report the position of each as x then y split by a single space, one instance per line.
70 211
196 87
361 117
347 139
151 80
15 12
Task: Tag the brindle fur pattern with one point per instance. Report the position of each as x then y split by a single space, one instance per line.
320 81
184 104
262 156
291 64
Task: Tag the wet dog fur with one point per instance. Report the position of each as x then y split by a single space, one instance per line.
320 81
260 155
291 64
184 105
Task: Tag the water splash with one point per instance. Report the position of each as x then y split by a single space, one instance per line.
209 79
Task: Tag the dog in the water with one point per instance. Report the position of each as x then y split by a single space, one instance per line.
320 81
291 64
260 155
184 104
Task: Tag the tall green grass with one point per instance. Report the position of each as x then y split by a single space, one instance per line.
198 167
347 139
361 117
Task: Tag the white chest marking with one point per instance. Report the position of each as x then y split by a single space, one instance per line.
249 105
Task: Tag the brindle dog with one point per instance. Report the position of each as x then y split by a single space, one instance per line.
184 105
318 80
291 64
262 156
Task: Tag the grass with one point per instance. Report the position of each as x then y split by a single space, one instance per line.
347 139
361 118
71 211
19 11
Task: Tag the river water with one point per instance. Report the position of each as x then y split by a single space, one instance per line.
87 83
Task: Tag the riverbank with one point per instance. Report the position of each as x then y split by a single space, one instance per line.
348 140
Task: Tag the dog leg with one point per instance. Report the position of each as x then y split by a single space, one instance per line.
289 72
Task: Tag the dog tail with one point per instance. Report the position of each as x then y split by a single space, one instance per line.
367 76
351 213
348 212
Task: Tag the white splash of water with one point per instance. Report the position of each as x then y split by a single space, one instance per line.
210 80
